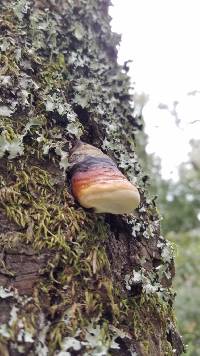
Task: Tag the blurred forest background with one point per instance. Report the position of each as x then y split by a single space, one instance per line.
179 207
165 65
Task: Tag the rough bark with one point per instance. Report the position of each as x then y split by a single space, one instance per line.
73 282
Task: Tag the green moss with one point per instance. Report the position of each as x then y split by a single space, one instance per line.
80 266
53 72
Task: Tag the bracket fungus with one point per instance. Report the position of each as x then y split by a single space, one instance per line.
97 183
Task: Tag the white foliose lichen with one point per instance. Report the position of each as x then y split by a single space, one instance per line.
167 251
41 346
14 147
57 103
149 285
5 111
5 293
94 343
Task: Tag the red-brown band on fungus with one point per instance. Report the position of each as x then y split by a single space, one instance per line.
97 183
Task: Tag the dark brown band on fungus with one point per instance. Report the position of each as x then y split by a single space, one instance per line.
91 162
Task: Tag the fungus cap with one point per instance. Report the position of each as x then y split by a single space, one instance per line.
97 183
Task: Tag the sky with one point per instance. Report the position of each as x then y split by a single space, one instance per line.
161 37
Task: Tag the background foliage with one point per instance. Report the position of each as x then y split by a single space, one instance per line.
179 206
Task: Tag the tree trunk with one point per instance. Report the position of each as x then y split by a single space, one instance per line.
73 282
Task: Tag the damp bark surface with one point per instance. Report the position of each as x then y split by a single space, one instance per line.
73 282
